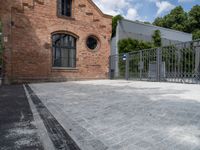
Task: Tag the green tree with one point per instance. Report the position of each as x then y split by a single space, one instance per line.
176 19
180 20
115 20
159 22
196 34
146 22
157 38
194 19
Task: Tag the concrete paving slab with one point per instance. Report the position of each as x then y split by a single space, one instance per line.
123 115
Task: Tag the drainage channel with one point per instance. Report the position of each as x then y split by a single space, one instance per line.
58 135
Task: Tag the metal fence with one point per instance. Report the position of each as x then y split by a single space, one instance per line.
174 63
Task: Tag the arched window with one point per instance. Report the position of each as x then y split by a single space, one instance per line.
64 50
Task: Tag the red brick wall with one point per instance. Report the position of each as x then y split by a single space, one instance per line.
31 53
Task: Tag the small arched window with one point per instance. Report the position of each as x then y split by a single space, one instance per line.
64 50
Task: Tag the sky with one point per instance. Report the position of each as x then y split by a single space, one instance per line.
143 10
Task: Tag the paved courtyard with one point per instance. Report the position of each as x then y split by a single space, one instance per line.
125 115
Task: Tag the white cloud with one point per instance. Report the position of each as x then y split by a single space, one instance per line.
132 14
127 8
112 7
182 1
163 6
152 0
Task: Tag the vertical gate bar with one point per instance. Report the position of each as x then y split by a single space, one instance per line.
175 63
161 63
185 61
175 71
169 62
147 64
144 62
158 63
193 65
127 66
189 71
172 65
197 61
110 65
182 64
179 60
140 65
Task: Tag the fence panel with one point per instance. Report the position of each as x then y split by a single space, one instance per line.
174 63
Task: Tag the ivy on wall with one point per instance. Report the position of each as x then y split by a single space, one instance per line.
157 38
115 20
130 45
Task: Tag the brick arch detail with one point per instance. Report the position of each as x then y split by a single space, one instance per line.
66 32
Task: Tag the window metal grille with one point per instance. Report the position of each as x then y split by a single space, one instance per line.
64 50
65 7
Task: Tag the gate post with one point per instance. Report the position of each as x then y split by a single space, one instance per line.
127 67
110 65
158 62
179 63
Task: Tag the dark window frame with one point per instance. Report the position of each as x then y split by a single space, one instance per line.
97 43
63 44
62 10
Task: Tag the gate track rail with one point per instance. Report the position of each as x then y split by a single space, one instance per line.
58 135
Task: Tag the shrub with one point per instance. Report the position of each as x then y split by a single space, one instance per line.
130 45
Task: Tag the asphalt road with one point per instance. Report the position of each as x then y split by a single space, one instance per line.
17 127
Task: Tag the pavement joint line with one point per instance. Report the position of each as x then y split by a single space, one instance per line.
57 133
140 134
188 123
150 103
41 130
83 146
77 123
170 136
118 143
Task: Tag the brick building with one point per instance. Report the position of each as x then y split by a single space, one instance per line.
54 40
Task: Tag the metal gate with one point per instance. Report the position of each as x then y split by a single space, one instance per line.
174 63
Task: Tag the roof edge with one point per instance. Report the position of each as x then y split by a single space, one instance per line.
157 26
99 10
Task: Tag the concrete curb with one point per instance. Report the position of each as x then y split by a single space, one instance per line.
42 132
